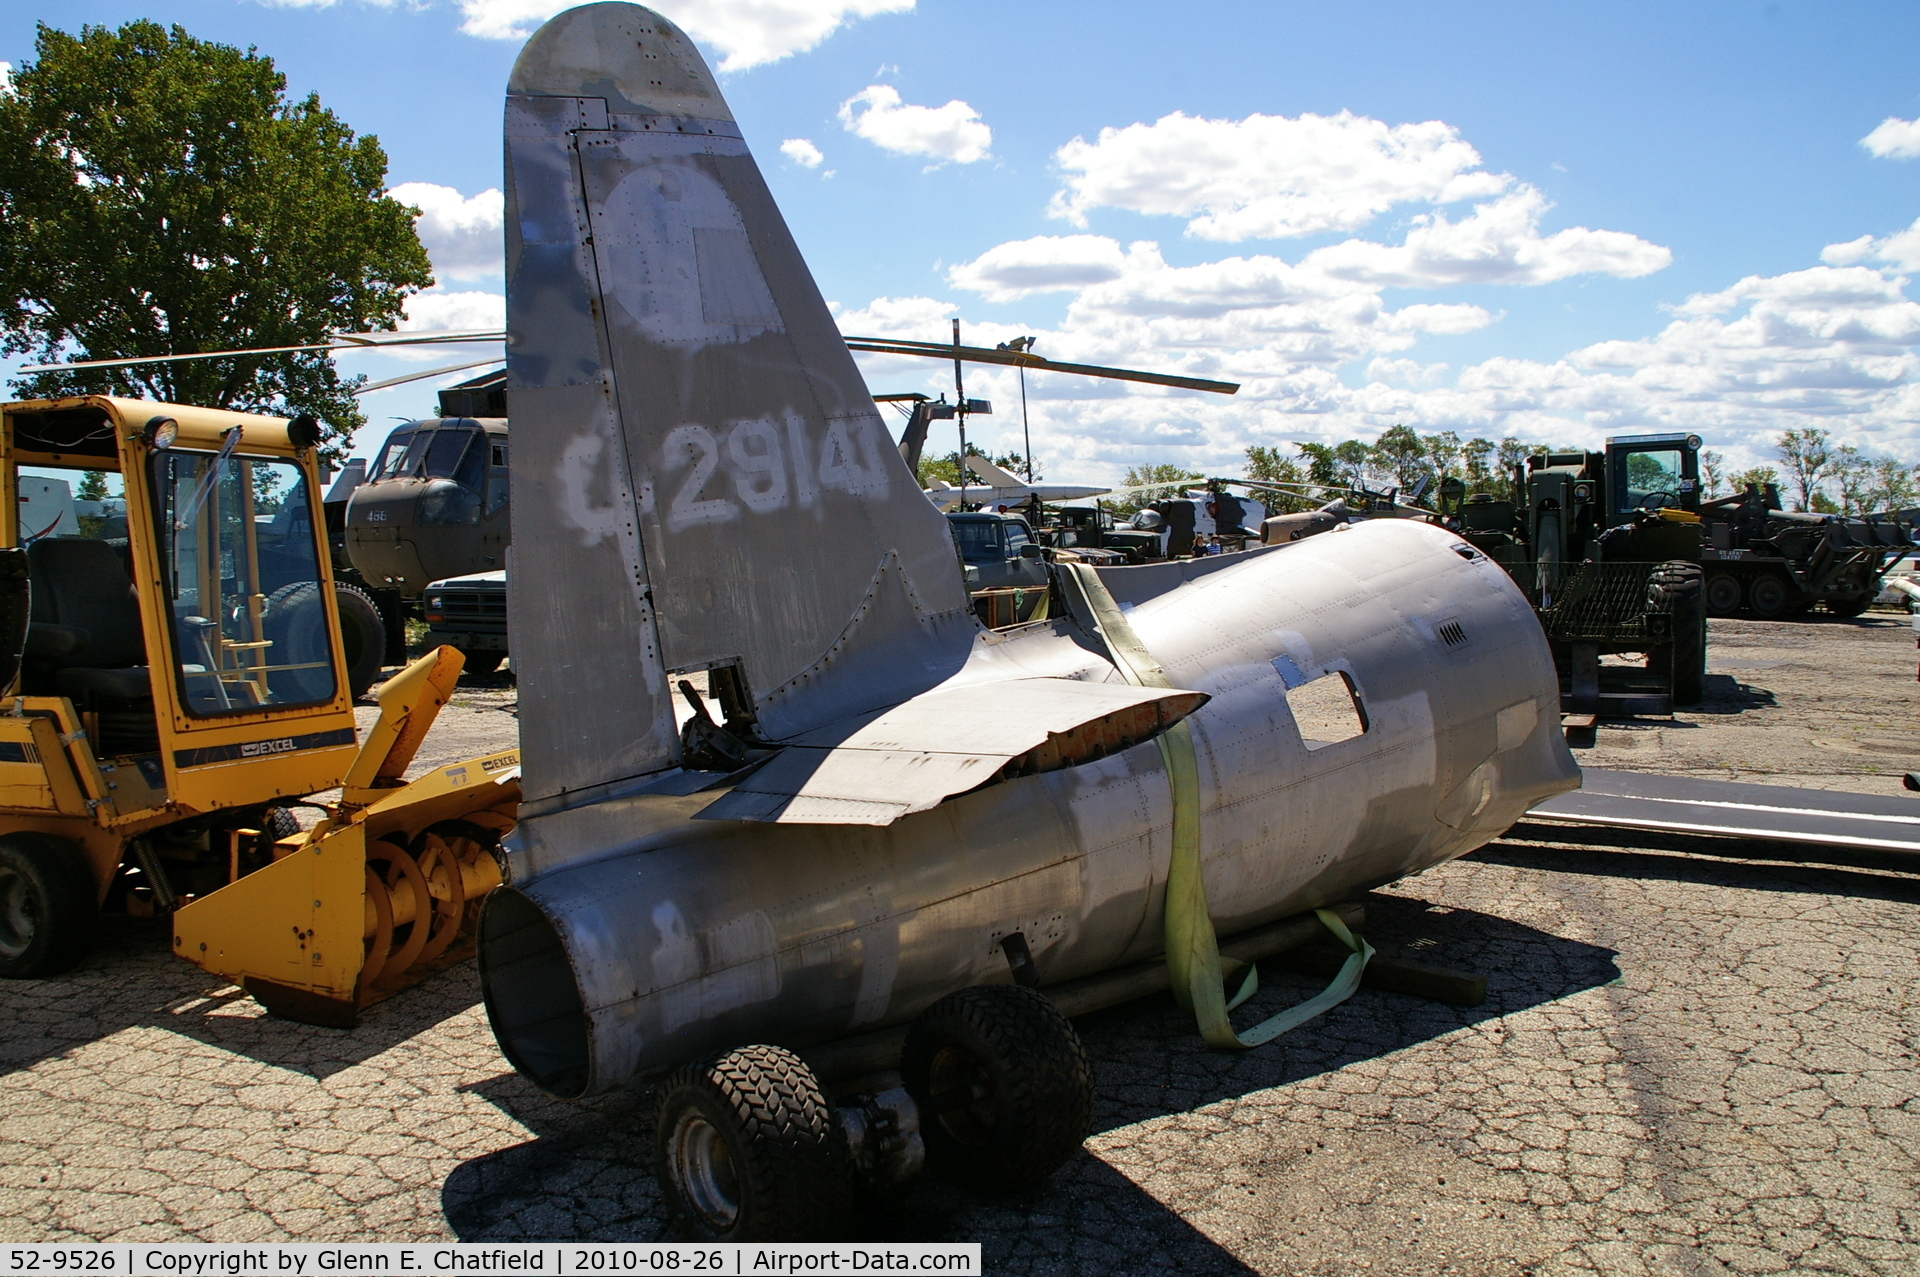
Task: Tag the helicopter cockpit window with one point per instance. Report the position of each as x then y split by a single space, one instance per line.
241 571
497 476
393 456
979 540
1653 481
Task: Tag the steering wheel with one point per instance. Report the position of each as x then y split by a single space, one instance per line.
1666 499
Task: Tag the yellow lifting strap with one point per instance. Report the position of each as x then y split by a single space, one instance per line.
1193 951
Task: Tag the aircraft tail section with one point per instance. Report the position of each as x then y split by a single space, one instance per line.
995 477
702 478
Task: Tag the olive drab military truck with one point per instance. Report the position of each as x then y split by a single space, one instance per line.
1607 547
171 691
1776 563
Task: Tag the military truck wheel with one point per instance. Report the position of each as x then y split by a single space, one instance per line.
295 621
747 1149
1849 607
1676 588
46 905
1004 1086
1768 597
481 663
1723 594
363 637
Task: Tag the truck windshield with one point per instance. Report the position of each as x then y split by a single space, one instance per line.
241 571
1653 481
978 539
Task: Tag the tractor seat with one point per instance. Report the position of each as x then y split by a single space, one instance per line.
89 685
85 642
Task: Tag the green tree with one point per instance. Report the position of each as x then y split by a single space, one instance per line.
1478 455
1852 476
161 195
1713 470
1401 453
1267 465
1758 477
1151 484
93 486
1894 486
1806 453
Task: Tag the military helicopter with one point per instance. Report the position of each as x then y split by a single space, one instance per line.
840 916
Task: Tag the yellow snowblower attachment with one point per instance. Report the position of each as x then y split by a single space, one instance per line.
382 892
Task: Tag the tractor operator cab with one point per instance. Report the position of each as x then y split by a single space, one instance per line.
434 504
194 630
1651 473
1635 501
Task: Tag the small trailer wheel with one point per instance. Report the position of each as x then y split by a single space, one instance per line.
747 1150
1004 1086
46 905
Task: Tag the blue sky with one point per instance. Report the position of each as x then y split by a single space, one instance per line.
1553 221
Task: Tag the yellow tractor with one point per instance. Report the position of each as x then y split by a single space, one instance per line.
175 684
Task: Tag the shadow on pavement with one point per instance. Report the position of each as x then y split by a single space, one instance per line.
132 980
1716 862
587 1174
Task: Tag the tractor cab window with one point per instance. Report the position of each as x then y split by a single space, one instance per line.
242 582
978 539
1652 481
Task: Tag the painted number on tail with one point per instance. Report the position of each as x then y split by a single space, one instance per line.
765 468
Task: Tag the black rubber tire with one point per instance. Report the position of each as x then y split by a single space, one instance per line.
1850 607
296 623
1769 597
1724 595
782 1163
1678 589
1029 1077
363 636
481 664
278 823
47 905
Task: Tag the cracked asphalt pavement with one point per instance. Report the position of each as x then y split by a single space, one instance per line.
1686 1064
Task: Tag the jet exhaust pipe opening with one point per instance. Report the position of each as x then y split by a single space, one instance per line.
532 1000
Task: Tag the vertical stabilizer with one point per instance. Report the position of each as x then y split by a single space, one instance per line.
700 475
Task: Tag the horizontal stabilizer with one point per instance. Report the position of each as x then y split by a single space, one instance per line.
876 769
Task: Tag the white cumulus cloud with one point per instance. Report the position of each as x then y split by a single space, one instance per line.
462 234
1900 250
802 152
1269 176
952 132
1498 243
748 33
1046 263
1894 139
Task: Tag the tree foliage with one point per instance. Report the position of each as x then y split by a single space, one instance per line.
1154 483
1806 454
160 195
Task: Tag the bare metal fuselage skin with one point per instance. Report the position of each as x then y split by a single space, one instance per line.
697 456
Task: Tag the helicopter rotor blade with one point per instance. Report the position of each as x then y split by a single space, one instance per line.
870 345
344 341
422 376
1021 359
